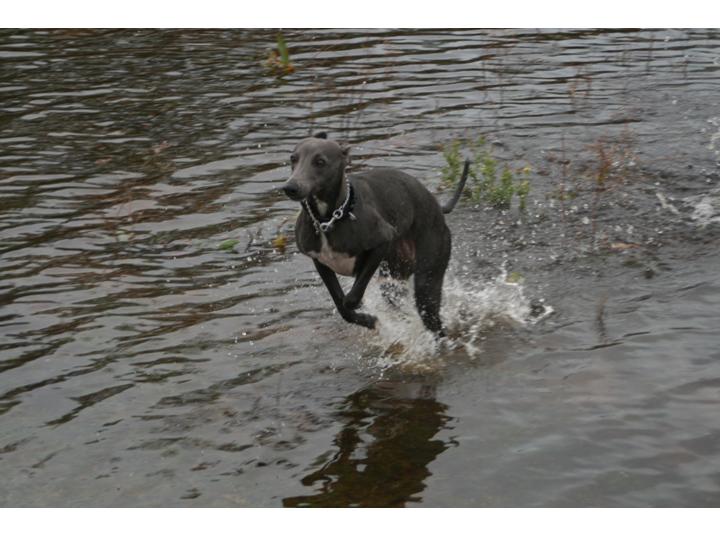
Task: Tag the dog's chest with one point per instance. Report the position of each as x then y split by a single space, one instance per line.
340 263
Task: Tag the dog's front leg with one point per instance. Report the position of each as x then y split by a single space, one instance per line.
370 262
338 296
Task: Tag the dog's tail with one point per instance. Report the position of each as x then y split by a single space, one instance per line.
448 206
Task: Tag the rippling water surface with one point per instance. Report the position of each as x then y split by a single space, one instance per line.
142 365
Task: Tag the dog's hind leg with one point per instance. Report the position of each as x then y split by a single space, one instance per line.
429 275
393 290
428 298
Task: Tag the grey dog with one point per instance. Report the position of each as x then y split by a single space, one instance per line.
351 225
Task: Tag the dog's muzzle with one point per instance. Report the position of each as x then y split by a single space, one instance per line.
293 191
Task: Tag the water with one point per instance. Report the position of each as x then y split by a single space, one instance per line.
144 366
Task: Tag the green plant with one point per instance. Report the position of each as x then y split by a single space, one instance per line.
453 163
279 60
283 50
228 245
485 186
501 196
523 190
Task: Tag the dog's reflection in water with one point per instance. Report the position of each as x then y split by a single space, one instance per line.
383 450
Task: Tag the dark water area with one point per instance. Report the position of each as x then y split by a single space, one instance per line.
143 365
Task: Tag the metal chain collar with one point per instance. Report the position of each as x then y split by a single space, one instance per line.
337 214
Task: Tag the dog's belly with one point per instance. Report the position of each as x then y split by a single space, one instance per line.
340 263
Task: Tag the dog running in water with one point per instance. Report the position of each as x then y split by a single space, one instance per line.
379 218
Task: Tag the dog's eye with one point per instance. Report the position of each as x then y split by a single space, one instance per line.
293 159
320 162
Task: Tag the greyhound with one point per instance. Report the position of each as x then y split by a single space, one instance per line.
351 225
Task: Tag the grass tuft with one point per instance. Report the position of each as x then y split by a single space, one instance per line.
489 182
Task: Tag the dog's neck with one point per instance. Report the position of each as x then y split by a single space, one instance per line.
327 201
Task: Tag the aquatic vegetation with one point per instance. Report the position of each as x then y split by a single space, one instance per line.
609 170
228 245
280 242
258 242
278 60
486 183
349 102
523 190
588 188
453 164
515 277
579 89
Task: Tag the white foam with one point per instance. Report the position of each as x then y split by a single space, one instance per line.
705 208
469 308
715 137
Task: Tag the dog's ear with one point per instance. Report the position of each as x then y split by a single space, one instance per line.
345 148
320 135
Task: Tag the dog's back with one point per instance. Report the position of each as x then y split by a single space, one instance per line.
400 198
421 234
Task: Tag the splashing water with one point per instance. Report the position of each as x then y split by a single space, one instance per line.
705 207
715 137
469 308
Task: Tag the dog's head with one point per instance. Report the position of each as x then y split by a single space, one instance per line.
318 166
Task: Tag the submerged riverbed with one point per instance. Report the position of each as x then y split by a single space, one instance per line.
144 365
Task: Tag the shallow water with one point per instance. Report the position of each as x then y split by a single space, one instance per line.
145 366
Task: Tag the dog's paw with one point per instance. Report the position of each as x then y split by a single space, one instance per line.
363 319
